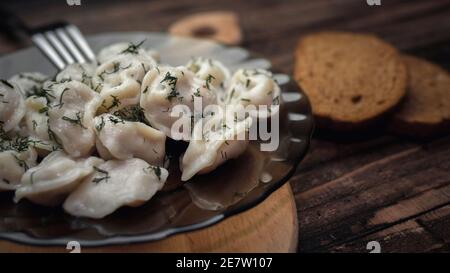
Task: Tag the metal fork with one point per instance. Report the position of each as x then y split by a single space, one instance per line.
61 43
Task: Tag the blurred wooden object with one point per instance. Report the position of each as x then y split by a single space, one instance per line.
270 227
221 26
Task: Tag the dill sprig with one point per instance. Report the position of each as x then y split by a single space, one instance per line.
115 102
5 82
105 176
21 163
172 82
156 170
42 92
78 120
100 126
116 120
61 103
208 81
133 48
132 113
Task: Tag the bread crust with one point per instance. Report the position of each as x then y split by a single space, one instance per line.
426 110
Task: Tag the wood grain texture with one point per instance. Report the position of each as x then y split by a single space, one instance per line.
348 191
269 227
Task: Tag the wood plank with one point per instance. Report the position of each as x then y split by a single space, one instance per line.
375 195
405 237
426 233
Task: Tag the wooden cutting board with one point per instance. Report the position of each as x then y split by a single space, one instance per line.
269 227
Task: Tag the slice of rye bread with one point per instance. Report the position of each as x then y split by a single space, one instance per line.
351 79
426 109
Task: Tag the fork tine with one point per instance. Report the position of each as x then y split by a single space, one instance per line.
40 41
78 38
70 45
59 47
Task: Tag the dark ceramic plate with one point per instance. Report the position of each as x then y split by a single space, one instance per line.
205 200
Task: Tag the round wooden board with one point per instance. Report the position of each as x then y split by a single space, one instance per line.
269 227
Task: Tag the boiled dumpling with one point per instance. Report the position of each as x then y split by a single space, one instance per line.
126 139
54 178
253 87
35 125
119 76
115 183
12 106
215 140
77 72
164 88
29 82
16 157
205 68
119 80
71 115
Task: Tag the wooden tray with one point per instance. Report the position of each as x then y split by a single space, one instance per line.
269 227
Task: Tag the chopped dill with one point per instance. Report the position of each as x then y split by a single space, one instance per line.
21 163
208 80
172 82
5 82
34 124
61 103
116 120
132 113
276 100
105 176
78 120
100 126
133 48
43 110
156 170
197 93
115 102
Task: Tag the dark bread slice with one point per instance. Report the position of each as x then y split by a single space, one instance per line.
351 79
426 109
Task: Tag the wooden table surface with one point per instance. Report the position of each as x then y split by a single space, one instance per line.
348 192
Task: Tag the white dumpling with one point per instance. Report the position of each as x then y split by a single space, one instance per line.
215 140
77 72
29 82
205 68
12 105
71 113
166 87
16 157
35 125
116 183
126 139
119 80
54 178
253 87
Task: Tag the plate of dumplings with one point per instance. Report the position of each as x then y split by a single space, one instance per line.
143 143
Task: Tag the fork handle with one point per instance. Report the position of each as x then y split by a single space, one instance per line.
12 25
